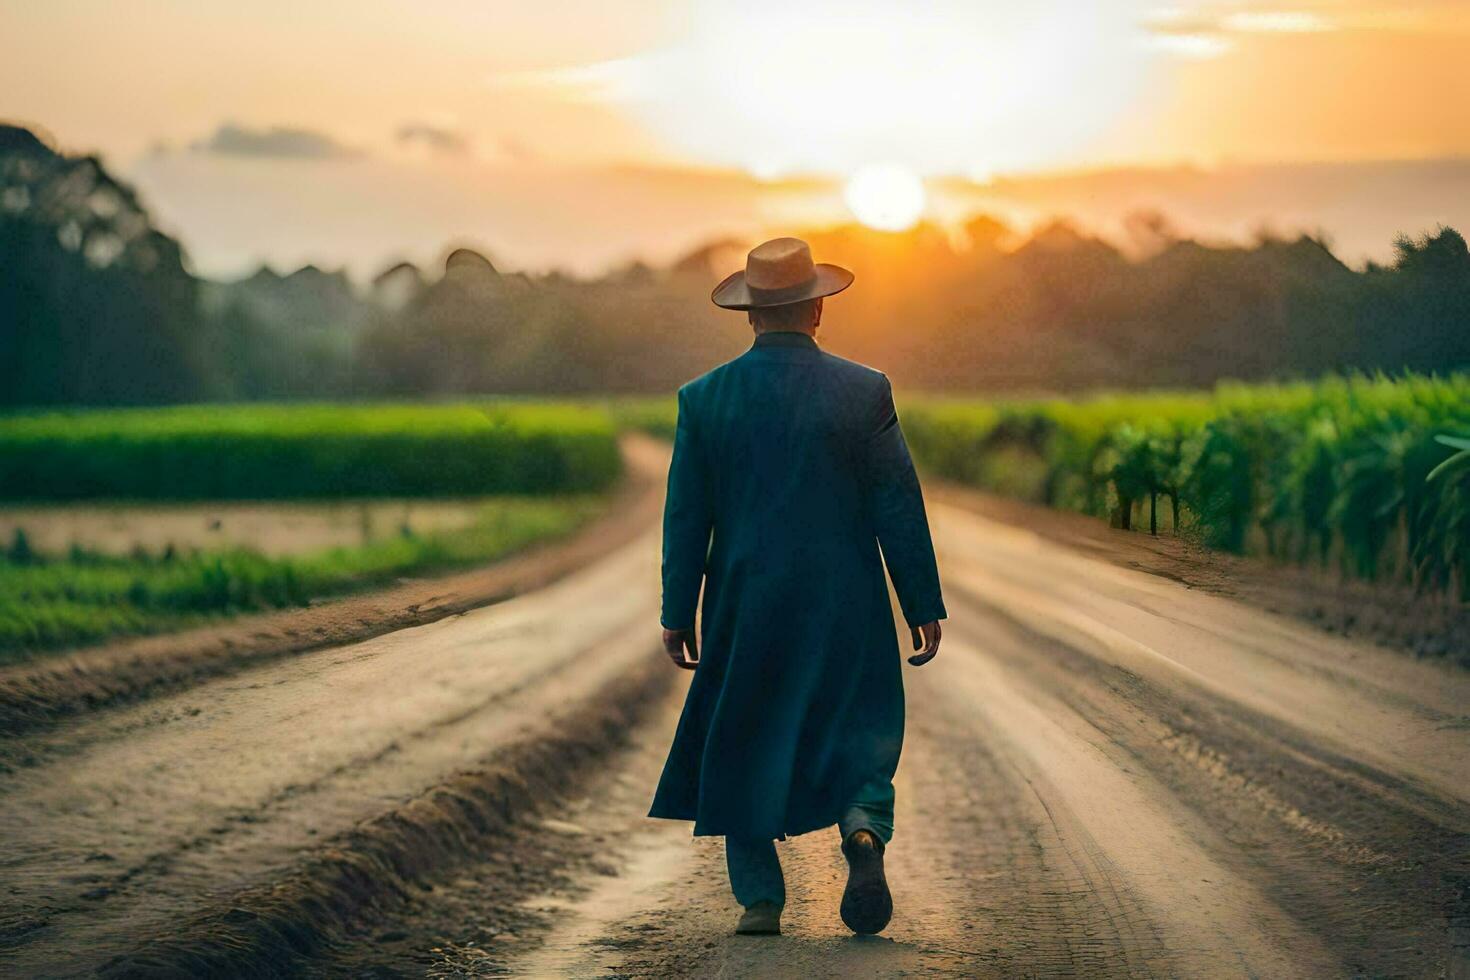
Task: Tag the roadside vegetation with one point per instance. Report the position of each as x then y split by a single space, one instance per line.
541 467
1335 473
49 602
1339 473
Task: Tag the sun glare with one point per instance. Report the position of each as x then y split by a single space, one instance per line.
827 86
887 198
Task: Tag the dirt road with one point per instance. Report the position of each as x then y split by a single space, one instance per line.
1106 773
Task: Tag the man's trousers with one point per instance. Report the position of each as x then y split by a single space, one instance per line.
755 871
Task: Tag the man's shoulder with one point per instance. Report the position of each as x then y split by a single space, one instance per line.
696 386
854 372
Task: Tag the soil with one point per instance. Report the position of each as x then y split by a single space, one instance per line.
1107 773
1432 625
274 529
231 826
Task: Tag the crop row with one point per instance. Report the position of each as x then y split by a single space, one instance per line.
210 452
1340 472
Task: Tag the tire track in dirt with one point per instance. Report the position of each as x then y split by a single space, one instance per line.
1361 840
1105 775
993 872
273 928
1369 864
230 786
1389 713
1159 899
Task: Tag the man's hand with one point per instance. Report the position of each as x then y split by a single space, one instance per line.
926 636
675 642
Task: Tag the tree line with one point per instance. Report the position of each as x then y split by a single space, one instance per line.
97 307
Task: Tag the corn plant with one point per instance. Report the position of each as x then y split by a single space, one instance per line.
1355 472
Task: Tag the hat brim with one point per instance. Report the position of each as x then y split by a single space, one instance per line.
734 293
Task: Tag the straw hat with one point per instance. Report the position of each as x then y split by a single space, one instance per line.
779 272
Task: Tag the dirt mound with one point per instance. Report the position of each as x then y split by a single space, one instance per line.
266 931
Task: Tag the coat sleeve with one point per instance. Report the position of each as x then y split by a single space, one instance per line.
688 519
897 506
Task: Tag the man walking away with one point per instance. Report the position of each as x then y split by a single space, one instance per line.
789 474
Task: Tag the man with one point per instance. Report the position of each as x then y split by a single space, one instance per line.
789 472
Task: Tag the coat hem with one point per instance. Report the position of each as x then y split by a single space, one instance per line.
705 830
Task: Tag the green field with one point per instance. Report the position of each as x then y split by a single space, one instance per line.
279 452
1333 473
546 464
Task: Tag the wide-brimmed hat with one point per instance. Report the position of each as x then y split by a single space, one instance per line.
779 272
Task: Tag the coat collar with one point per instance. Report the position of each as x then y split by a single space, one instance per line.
786 338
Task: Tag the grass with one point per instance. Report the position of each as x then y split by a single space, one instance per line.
50 602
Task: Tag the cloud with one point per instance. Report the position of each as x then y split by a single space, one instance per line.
276 142
439 139
603 82
1275 22
1193 34
1189 45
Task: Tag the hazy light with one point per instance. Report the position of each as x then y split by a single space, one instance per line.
1275 21
888 198
825 86
1190 45
615 81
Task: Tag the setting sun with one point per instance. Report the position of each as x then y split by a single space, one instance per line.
886 198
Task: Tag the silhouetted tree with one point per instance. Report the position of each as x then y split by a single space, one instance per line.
95 304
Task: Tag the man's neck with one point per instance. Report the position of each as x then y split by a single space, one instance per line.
808 332
786 338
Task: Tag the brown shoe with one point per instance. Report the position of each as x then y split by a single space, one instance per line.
866 903
761 919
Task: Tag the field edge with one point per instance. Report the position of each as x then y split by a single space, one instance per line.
36 694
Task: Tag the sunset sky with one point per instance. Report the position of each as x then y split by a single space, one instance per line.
571 133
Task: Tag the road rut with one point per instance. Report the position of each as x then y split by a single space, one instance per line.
1106 774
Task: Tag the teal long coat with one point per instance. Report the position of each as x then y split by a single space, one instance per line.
789 471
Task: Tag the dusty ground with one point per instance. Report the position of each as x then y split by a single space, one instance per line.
271 529
1426 625
1107 773
128 821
